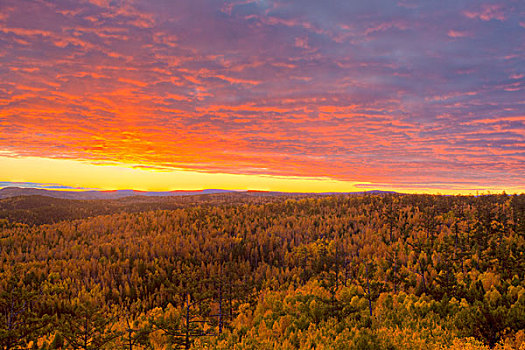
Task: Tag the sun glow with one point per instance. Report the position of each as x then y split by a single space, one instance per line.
116 176
113 176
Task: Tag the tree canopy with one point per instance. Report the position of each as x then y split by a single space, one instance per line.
325 272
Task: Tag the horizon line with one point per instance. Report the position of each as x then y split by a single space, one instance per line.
198 191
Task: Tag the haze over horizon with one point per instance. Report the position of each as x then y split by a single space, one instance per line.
292 96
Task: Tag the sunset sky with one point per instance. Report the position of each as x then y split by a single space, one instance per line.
309 95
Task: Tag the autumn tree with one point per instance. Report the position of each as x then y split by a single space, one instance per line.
86 324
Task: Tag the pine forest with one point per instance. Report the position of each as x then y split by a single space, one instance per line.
384 271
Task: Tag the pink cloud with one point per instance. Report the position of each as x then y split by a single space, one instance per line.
384 102
457 34
487 12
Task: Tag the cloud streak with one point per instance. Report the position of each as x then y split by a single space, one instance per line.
48 186
373 92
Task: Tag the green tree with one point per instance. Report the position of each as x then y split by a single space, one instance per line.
19 320
86 326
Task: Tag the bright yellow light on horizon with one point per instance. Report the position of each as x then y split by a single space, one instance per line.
83 174
121 176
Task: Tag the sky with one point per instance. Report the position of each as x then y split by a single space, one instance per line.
304 96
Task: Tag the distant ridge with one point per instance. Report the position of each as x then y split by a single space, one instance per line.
9 192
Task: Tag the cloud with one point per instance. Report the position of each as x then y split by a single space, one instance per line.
487 12
457 34
413 92
47 186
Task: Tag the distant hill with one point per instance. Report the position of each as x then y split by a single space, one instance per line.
9 192
41 209
38 209
39 206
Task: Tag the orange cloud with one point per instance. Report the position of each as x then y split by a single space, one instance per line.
487 12
457 34
256 91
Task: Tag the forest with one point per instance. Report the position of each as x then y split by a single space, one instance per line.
383 271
